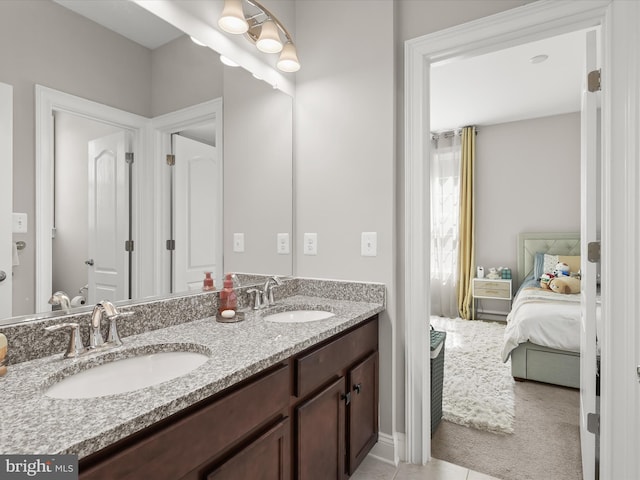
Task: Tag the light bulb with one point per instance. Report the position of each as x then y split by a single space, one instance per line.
269 40
232 17
288 61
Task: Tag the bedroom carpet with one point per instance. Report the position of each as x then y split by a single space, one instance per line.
478 387
544 445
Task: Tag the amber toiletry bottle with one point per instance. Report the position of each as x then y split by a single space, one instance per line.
207 284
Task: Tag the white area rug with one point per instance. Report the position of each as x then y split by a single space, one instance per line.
478 387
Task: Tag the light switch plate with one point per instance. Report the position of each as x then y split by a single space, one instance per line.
19 223
310 243
238 242
369 245
283 244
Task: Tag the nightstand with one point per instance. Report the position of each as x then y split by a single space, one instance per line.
488 288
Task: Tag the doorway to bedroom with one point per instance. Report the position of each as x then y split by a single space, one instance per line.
525 103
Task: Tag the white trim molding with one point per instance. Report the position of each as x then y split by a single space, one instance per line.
47 102
531 22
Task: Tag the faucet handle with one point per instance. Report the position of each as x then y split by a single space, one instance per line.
113 338
257 300
75 347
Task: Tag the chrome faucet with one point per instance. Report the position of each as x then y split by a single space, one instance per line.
267 290
60 299
109 310
96 342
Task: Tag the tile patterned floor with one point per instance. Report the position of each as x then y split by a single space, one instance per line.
373 469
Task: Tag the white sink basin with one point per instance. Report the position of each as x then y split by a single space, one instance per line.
298 316
127 375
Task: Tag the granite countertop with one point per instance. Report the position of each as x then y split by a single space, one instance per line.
33 423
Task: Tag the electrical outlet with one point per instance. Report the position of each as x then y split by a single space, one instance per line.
19 223
238 242
283 244
310 243
369 245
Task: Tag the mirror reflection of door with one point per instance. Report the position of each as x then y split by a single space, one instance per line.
108 218
197 212
88 214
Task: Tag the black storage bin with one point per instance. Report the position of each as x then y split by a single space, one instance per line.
437 377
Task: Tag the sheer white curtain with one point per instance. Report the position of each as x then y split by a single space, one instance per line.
445 214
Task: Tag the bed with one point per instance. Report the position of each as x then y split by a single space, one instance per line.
542 336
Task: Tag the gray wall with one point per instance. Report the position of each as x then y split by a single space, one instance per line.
527 180
348 140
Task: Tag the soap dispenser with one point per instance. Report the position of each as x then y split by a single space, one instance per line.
228 297
207 284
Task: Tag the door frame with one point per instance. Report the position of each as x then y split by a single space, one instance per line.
163 127
48 101
620 206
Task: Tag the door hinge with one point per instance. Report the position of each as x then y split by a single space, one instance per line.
171 159
171 244
593 81
128 157
593 252
593 423
346 397
128 246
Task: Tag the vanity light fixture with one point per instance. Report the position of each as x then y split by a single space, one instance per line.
262 28
197 42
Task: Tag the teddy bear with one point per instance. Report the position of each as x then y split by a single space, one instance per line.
545 279
493 273
565 285
561 270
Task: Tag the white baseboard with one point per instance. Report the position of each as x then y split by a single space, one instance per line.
389 449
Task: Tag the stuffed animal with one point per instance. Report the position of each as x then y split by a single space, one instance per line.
545 279
561 270
493 273
565 285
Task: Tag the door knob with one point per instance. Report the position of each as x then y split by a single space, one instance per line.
3 275
89 262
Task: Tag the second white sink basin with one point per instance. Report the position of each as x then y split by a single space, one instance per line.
298 316
126 375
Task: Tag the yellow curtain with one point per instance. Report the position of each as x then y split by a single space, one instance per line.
466 238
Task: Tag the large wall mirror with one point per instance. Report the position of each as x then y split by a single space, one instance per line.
231 132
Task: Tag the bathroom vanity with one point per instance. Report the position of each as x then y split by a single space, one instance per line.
312 416
273 400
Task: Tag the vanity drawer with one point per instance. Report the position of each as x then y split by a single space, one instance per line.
191 441
320 364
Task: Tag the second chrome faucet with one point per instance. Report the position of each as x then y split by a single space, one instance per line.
264 298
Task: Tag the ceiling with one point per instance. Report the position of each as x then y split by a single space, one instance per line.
498 87
504 86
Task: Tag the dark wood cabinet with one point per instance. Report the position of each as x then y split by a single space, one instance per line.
266 458
312 417
337 414
320 434
362 416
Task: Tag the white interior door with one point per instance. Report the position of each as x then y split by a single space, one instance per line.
6 198
197 213
589 231
108 219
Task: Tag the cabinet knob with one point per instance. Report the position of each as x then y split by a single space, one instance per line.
357 387
346 397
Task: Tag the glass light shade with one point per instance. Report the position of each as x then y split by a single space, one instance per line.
197 42
269 40
288 61
232 17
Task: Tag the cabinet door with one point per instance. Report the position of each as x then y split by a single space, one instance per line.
267 458
362 412
320 432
